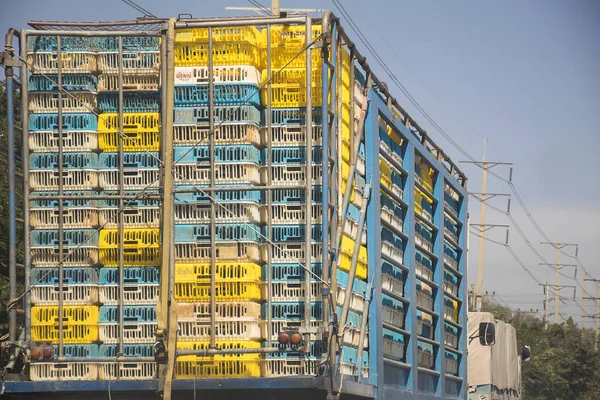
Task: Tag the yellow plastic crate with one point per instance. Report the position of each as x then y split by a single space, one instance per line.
346 258
224 291
141 247
132 122
224 53
222 34
138 141
288 88
225 272
80 324
218 366
289 36
385 174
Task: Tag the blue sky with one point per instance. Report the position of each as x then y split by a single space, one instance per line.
522 73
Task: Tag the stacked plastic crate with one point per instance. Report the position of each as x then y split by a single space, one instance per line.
235 162
393 242
288 165
129 165
63 231
352 101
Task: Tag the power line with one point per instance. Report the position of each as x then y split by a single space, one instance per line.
139 8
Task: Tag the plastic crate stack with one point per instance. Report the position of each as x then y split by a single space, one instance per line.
393 245
79 216
238 160
287 165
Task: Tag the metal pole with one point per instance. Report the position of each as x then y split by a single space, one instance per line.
60 203
275 7
546 307
597 313
478 299
121 204
583 293
309 183
25 157
211 121
557 283
12 207
269 193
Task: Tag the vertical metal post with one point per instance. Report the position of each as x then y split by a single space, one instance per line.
121 194
269 192
464 288
583 293
597 314
25 156
309 183
275 7
557 283
409 193
211 121
325 151
12 205
478 293
546 306
60 202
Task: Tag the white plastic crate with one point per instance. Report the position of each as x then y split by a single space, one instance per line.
292 252
275 367
351 229
47 102
278 326
450 262
393 349
69 371
45 295
235 329
142 332
201 252
47 141
361 165
47 62
449 313
127 371
425 359
236 173
424 300
138 62
131 81
191 135
132 217
356 300
134 179
451 366
351 337
79 217
349 369
392 316
293 213
391 219
423 271
202 311
292 291
393 252
293 175
234 212
392 285
450 340
132 294
421 241
289 135
50 257
83 179
450 288
221 74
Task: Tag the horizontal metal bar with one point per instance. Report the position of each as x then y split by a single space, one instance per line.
246 21
99 197
145 21
104 359
235 188
213 352
396 363
90 33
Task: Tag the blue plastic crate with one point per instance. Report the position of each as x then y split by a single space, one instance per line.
390 204
315 351
78 350
286 196
129 350
131 160
450 329
451 252
110 44
353 319
200 116
140 202
353 212
52 202
291 271
131 275
422 258
423 231
392 303
67 43
395 240
293 116
293 155
131 314
350 355
295 232
71 237
451 278
426 347
358 286
223 233
70 121
388 268
394 336
71 276
223 154
224 94
46 161
229 196
70 82
108 102
427 207
452 203
392 145
292 310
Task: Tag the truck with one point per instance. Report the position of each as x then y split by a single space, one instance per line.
494 365
228 207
